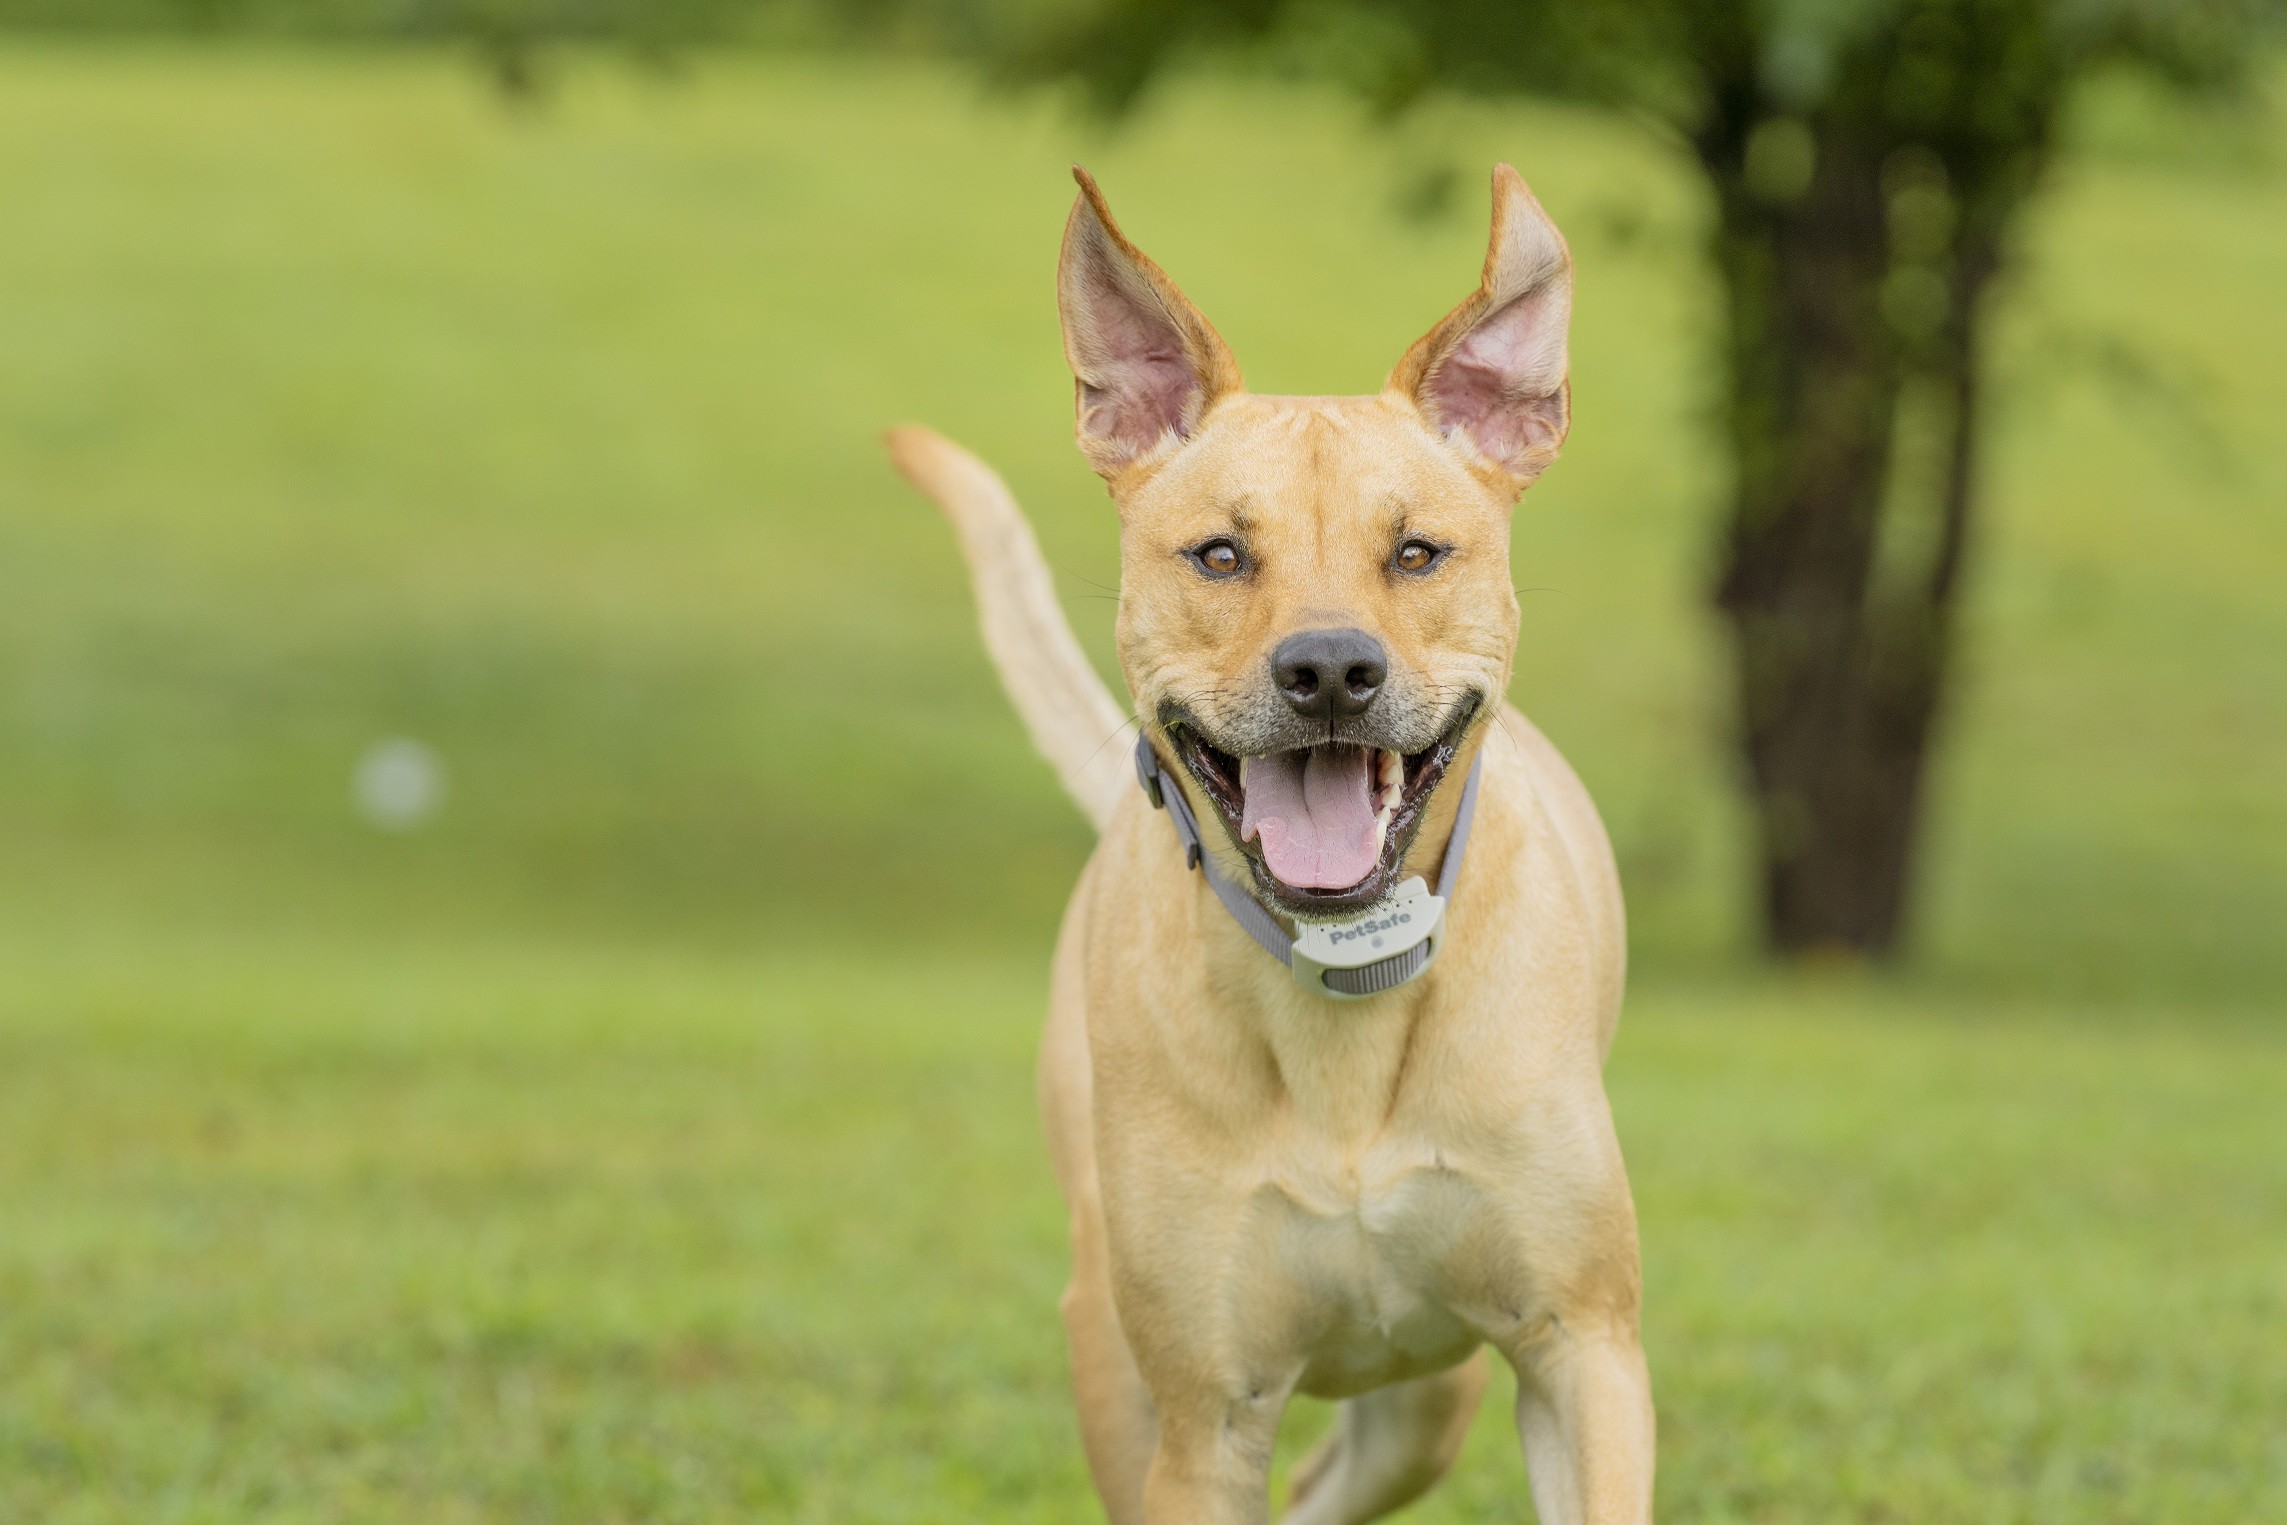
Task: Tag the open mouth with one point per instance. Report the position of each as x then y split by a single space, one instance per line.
1324 828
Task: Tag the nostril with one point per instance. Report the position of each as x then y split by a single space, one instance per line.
1329 673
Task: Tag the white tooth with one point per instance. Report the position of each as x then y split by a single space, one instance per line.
1390 773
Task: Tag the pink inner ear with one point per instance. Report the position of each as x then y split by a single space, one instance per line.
1138 382
1145 385
1503 384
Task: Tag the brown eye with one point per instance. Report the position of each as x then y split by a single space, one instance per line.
1418 556
1218 558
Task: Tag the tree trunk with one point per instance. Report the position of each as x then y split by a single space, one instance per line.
1844 551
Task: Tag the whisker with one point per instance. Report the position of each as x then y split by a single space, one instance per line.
1501 721
1135 720
1090 581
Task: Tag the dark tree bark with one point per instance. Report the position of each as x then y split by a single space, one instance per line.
1812 400
1842 559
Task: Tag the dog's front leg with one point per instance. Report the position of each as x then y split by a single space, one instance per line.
1213 1462
1584 1413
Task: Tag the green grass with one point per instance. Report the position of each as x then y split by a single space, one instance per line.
306 1232
650 1136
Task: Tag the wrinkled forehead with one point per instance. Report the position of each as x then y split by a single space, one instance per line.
1285 463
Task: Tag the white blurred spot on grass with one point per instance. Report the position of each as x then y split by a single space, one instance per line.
399 783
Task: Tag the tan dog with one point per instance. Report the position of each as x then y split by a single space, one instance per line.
1272 1191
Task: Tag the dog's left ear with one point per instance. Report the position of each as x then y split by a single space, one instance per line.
1490 378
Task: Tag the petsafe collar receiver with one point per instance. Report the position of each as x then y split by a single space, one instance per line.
1343 960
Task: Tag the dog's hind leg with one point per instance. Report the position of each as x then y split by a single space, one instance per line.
1387 1448
1117 1427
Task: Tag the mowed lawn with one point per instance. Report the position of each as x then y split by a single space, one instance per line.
314 1233
649 1136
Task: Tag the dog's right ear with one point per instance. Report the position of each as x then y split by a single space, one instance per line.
1147 365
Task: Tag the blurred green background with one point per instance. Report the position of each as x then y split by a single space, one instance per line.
646 1133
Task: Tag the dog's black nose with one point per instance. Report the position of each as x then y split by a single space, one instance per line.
1329 674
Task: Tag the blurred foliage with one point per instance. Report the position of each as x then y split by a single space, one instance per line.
683 20
514 38
1648 58
1670 60
1664 60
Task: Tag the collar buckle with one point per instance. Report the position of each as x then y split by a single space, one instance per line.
1368 954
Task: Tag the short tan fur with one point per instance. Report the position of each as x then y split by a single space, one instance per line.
1270 1192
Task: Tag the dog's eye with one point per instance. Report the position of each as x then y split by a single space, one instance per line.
1418 556
1219 558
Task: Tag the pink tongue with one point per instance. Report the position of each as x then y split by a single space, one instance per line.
1314 811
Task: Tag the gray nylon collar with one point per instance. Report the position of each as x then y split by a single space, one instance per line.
1258 923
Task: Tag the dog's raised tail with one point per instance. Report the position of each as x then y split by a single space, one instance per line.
1070 713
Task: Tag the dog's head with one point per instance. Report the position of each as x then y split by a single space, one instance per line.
1315 603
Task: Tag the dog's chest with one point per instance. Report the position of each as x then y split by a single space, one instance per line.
1382 1261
